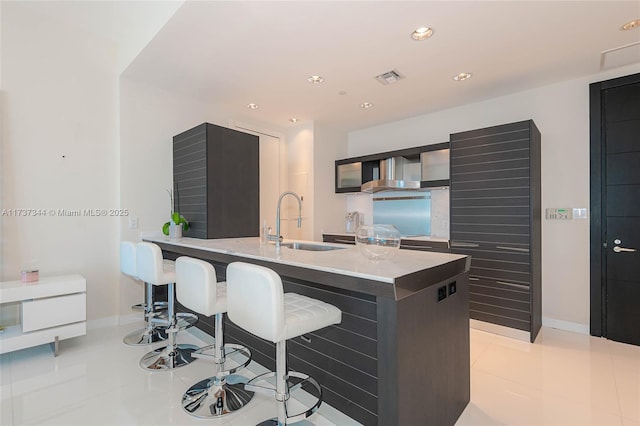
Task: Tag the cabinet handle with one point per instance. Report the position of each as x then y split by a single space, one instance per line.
523 250
306 338
474 279
464 245
344 241
409 246
524 287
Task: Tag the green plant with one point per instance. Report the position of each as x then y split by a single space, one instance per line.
176 218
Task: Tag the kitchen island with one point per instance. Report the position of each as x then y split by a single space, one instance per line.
400 356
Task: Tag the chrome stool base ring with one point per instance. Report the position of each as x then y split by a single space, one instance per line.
168 358
301 380
144 337
206 399
236 357
270 422
156 306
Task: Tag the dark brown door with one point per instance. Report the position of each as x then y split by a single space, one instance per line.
622 212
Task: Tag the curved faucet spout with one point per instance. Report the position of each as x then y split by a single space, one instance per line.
278 238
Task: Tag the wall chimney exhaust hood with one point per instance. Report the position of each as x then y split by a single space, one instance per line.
395 173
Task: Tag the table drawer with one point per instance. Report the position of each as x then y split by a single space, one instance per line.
53 311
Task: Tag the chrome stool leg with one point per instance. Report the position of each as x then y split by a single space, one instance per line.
150 334
224 393
173 355
284 386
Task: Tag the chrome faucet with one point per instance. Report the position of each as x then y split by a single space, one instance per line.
277 237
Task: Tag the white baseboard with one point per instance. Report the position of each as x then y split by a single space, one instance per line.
130 318
102 322
114 321
566 325
573 327
500 330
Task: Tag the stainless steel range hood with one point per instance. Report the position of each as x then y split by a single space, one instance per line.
393 172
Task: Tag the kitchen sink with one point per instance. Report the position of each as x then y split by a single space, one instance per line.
310 247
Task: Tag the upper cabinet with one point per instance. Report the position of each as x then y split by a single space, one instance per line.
216 177
428 165
348 176
434 165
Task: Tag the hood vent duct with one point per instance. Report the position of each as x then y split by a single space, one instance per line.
396 173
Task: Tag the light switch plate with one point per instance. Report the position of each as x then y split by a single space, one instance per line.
579 213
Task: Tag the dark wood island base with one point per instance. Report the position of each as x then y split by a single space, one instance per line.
400 355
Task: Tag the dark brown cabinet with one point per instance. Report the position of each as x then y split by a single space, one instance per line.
408 244
425 245
496 219
339 239
216 180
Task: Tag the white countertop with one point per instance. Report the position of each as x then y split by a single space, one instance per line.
348 261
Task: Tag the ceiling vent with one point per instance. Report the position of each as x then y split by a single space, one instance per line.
620 56
389 77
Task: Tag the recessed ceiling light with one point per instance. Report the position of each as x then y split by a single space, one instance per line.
631 25
293 120
366 105
252 106
342 93
422 33
315 79
462 76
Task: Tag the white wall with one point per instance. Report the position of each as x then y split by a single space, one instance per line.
59 151
312 149
328 145
300 177
561 112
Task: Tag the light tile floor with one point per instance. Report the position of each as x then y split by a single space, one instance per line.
562 379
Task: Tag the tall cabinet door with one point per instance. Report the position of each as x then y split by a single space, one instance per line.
495 219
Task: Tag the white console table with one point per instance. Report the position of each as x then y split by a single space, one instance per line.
52 309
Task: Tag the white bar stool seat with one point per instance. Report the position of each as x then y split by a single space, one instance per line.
257 303
223 393
151 333
152 269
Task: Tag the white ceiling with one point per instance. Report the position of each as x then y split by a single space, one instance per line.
233 53
129 24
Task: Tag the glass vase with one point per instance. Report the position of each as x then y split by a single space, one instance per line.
378 242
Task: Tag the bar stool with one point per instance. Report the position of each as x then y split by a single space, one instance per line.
256 302
151 333
152 269
197 289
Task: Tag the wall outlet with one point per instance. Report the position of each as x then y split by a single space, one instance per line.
442 293
452 288
133 222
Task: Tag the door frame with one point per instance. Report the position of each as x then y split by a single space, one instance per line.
597 265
